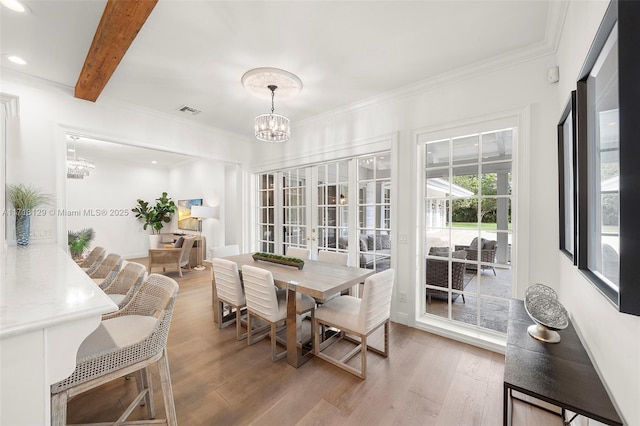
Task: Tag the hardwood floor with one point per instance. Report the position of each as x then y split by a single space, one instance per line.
427 380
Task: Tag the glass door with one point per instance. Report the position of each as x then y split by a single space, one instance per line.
468 233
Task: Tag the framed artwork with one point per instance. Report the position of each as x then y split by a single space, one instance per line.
185 221
566 177
608 107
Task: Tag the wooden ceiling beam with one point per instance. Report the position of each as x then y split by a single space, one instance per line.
120 23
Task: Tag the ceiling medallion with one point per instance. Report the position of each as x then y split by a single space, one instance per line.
272 127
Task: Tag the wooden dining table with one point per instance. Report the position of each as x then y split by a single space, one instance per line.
316 279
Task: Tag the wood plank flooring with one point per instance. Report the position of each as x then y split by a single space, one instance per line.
427 380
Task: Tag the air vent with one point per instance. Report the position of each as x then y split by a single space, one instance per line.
189 110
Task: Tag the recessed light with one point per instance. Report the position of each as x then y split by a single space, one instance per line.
71 150
16 6
154 162
17 60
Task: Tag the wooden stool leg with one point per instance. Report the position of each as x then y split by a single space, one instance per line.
167 390
59 409
148 384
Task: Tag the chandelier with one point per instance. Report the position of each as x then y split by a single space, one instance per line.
272 127
78 167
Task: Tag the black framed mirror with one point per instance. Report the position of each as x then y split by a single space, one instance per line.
608 148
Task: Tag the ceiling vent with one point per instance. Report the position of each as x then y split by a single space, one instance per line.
189 110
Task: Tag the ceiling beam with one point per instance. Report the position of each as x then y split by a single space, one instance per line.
120 23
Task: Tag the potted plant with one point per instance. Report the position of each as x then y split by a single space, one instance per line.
155 216
25 199
79 241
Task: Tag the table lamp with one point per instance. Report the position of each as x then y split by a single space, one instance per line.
200 213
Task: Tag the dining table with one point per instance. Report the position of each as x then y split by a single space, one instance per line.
319 280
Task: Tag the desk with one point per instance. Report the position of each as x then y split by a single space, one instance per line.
317 279
558 373
48 305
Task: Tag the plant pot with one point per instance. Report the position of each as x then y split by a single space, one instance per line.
155 241
23 229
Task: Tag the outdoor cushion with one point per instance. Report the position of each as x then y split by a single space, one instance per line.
385 241
489 245
439 251
459 254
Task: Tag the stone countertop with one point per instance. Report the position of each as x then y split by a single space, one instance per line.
41 286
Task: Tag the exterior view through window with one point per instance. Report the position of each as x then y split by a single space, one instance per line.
467 228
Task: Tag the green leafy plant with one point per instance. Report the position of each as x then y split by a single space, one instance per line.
278 257
155 216
26 198
79 242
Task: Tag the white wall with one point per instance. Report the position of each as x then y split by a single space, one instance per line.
36 142
206 180
113 187
612 338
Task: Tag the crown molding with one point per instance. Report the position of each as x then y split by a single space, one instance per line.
556 16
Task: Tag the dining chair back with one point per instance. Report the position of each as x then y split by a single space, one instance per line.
299 252
264 302
229 290
357 317
335 257
126 343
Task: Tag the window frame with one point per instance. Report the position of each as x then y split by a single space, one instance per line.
624 14
568 113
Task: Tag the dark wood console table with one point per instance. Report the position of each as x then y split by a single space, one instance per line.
557 373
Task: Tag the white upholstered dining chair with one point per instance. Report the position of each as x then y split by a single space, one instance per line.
359 317
298 252
269 304
229 290
127 342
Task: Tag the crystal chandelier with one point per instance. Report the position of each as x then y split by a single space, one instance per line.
78 167
263 82
272 127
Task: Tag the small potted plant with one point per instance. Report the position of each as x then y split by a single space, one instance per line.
155 216
25 199
79 242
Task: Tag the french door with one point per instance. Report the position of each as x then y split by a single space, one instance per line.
466 211
315 207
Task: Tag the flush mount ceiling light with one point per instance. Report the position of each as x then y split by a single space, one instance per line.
272 127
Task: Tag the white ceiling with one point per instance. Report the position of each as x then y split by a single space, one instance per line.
195 52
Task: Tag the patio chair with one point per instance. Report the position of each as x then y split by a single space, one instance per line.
437 274
487 253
